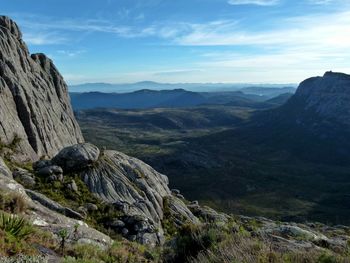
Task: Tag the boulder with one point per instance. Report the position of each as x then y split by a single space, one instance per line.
54 177
50 170
24 177
73 186
90 207
208 214
115 178
77 157
41 164
180 196
178 211
116 224
175 191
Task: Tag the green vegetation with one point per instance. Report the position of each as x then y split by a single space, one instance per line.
155 132
230 165
210 243
59 192
15 226
17 235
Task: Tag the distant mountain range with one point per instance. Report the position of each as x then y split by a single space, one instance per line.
197 87
290 162
146 98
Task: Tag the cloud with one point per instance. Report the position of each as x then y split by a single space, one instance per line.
70 53
321 2
254 2
177 72
43 38
318 31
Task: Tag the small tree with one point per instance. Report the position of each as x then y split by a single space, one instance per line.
63 234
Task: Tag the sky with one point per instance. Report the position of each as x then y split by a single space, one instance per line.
182 41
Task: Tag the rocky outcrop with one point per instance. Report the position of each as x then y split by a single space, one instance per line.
328 96
77 157
34 96
289 236
53 220
131 186
319 100
179 212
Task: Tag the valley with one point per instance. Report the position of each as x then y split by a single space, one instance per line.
240 160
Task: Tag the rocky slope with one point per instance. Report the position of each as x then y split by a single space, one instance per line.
36 119
45 216
134 189
34 97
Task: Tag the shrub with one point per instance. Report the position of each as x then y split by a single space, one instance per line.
15 226
193 239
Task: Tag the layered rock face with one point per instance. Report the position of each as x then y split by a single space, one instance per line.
34 104
134 188
326 96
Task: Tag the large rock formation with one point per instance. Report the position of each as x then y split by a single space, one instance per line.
327 97
37 119
314 124
133 187
33 95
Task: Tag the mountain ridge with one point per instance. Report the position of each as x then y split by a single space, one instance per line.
34 95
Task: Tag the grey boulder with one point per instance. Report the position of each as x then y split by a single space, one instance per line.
77 157
50 170
24 177
115 178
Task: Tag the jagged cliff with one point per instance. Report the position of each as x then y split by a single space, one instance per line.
34 103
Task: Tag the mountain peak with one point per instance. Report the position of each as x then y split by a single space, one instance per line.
327 96
331 74
35 97
8 24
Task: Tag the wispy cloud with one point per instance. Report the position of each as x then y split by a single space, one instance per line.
177 72
321 2
47 31
71 53
328 32
254 2
43 38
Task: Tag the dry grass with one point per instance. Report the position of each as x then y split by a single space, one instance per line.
13 203
253 250
119 252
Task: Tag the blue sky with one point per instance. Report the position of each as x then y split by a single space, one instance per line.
254 41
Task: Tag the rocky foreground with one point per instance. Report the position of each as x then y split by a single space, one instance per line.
66 200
